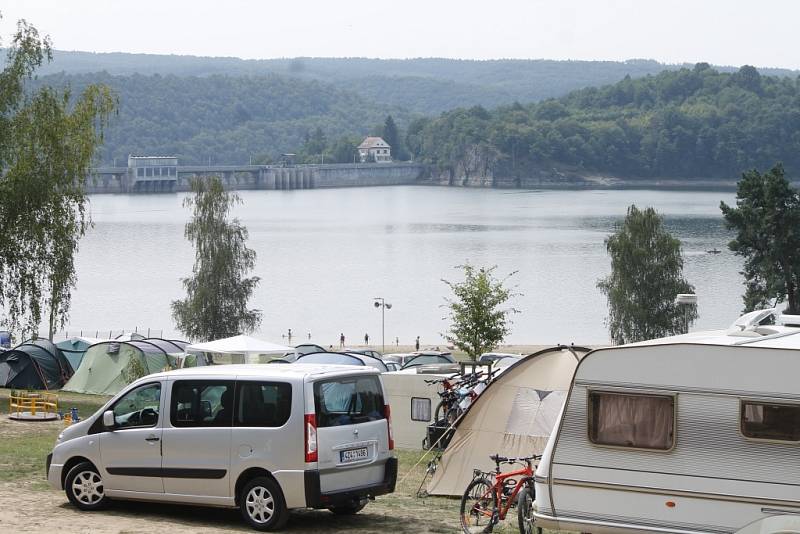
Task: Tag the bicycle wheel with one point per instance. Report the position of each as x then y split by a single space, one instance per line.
439 413
478 507
525 511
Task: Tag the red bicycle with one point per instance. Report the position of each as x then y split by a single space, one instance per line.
491 495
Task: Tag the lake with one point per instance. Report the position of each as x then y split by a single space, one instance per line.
324 254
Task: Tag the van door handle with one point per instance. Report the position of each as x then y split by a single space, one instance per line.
151 437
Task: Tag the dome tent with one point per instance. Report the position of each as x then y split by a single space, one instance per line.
34 364
109 366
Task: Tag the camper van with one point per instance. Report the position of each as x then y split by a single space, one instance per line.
686 434
261 438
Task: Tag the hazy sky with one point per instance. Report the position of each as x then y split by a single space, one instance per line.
730 32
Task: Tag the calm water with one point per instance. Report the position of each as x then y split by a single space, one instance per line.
323 255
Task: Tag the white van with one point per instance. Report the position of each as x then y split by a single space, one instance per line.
698 433
263 438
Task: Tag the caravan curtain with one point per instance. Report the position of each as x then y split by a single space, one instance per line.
632 420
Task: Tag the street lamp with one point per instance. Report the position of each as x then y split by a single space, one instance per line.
381 303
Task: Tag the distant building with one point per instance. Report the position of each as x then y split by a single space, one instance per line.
152 174
374 149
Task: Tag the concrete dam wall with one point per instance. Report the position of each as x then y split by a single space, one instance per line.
124 180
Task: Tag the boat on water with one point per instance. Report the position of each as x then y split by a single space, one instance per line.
714 251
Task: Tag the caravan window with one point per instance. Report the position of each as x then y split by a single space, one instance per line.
770 421
632 420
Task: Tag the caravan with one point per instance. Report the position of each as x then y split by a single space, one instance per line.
687 434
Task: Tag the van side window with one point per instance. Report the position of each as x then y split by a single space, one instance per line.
138 408
201 403
263 404
770 421
632 420
348 401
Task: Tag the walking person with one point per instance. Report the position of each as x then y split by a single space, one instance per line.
397 342
290 336
366 339
341 340
417 343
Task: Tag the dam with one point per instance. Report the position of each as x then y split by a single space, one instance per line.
163 174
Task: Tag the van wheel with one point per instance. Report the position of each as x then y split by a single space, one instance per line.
84 487
348 510
262 505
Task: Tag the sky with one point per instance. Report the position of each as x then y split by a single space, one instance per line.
730 32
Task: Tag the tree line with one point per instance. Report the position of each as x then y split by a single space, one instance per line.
687 123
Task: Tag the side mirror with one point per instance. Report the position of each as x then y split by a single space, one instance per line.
108 419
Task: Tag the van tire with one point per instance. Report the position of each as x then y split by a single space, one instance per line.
348 510
84 488
254 503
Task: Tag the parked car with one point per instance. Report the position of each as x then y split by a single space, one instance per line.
261 438
393 366
429 357
399 357
342 358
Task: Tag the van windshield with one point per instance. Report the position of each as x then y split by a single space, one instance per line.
348 401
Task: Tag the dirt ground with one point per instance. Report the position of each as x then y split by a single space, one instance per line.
26 510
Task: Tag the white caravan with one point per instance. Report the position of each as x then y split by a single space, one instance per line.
688 434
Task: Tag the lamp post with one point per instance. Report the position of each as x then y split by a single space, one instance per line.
381 303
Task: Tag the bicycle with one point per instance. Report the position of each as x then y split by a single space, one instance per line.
490 496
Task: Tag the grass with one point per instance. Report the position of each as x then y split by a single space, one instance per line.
24 447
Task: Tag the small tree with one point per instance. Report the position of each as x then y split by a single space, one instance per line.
217 292
767 221
392 137
646 276
478 320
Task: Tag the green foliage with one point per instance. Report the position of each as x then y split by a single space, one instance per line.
646 276
478 320
48 140
685 123
217 292
228 119
392 137
767 221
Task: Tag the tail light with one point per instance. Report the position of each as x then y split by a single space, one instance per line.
311 438
387 412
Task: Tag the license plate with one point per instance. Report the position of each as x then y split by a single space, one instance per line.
353 455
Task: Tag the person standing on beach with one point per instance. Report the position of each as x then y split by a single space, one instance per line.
397 342
341 340
366 339
290 336
417 344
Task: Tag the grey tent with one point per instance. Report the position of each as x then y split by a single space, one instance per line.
34 364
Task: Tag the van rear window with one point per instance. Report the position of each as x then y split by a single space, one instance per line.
348 401
770 421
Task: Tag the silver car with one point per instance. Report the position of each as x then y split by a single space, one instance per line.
261 438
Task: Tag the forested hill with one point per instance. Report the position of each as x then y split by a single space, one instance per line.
689 123
227 119
418 85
